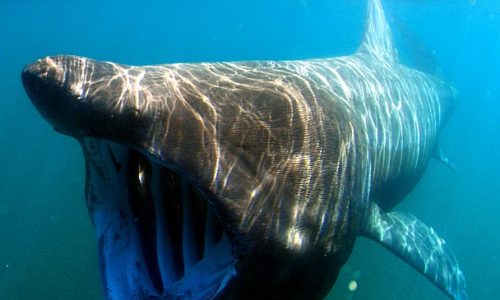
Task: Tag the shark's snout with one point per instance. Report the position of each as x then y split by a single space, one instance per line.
65 92
49 83
46 74
43 80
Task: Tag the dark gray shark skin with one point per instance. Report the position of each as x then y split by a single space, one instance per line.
250 180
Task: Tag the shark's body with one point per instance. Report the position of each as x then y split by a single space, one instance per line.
250 180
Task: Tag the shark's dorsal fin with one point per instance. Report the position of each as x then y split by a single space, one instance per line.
378 38
418 245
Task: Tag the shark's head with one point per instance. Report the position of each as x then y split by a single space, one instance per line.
201 195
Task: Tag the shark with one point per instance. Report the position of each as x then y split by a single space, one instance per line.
253 179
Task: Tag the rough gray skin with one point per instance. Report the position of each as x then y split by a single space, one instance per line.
294 158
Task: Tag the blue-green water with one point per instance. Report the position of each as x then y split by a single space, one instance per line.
47 244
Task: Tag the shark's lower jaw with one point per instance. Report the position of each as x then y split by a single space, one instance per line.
158 236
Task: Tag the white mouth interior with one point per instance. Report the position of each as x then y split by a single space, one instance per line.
166 231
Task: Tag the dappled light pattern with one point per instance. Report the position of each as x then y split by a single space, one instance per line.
353 108
293 158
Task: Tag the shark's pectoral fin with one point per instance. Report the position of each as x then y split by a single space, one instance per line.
442 158
419 246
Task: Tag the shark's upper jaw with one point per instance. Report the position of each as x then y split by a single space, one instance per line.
158 235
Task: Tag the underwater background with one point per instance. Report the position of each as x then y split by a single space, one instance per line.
47 243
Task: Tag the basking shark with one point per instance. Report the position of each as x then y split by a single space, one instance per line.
250 180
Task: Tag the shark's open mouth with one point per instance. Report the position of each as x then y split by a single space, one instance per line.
163 227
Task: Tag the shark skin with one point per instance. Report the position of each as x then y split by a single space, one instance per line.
250 180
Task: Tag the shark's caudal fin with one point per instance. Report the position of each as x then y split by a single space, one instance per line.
378 38
419 246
